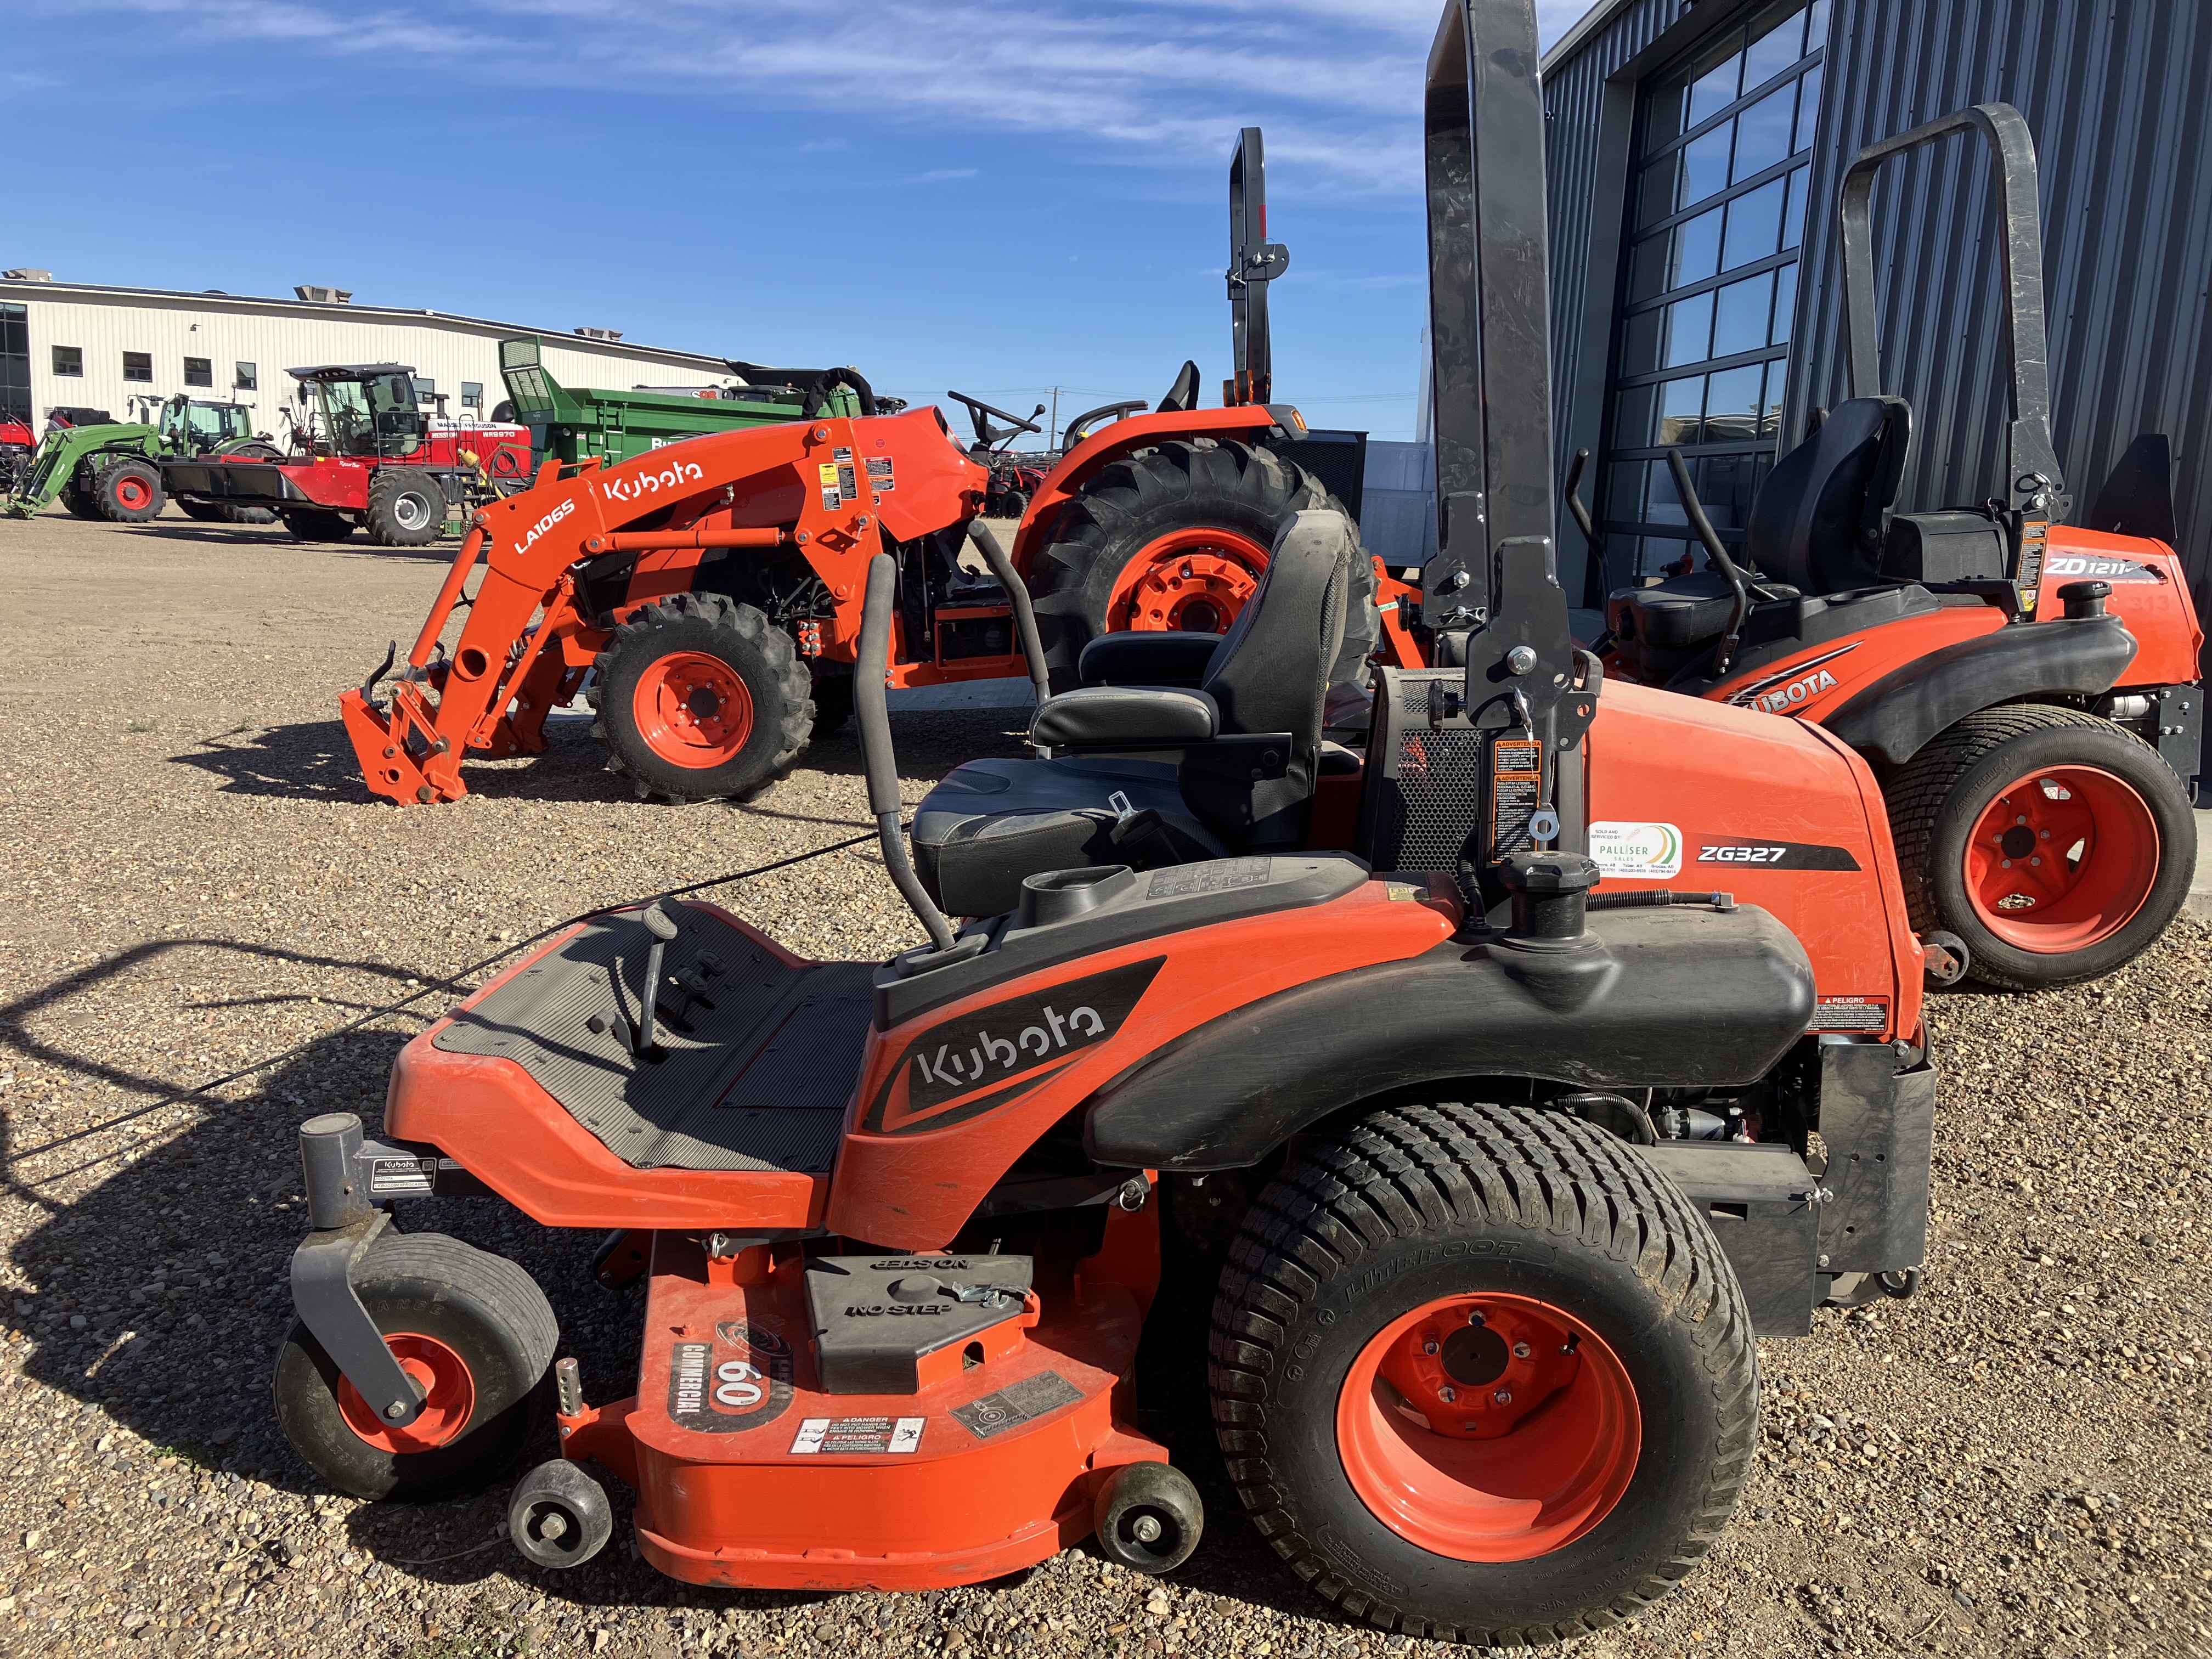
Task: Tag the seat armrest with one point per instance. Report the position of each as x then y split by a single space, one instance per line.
1146 658
1125 717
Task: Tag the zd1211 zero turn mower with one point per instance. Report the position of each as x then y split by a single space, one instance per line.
713 626
1516 1172
2026 690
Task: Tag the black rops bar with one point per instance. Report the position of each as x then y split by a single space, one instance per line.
1253 262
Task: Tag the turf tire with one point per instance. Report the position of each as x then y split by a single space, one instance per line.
483 1307
406 507
315 524
128 492
1360 1228
1935 799
1133 501
761 654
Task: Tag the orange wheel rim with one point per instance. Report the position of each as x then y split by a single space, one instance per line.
449 1396
1488 1428
693 709
1193 580
2061 860
133 492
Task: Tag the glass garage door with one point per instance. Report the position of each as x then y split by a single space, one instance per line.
14 363
1716 211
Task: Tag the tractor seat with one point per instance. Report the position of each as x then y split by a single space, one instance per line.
1682 612
1204 762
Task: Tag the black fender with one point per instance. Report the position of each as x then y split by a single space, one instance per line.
1689 996
1896 716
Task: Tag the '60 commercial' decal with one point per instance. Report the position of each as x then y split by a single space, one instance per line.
968 1064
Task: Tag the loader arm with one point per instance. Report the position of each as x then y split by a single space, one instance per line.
806 489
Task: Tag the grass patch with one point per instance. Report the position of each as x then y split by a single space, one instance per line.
189 1452
142 725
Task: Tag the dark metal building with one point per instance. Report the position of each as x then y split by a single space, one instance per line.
1695 153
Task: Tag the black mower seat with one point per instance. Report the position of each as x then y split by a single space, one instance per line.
1154 775
1682 611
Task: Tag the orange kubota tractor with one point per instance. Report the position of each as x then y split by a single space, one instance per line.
1490 1179
716 627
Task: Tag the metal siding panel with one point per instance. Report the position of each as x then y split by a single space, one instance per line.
2113 94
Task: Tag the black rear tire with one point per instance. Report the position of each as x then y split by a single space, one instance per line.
1419 1203
315 524
128 492
1937 797
749 647
406 507
481 1306
1132 503
205 511
234 513
80 502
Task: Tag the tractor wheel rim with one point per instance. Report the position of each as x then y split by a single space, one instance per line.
449 1396
410 511
131 493
1488 1427
2061 860
1194 580
693 709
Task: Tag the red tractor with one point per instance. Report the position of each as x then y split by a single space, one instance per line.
367 456
17 445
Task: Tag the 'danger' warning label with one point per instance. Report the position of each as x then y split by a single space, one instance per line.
829 1436
1516 782
1850 1014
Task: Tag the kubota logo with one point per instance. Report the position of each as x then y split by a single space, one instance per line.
948 1066
1790 687
652 483
1775 703
547 523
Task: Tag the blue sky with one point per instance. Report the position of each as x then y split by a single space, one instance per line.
985 194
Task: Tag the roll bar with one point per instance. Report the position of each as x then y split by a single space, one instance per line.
2034 482
1253 262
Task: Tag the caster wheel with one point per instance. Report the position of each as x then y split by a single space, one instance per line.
559 1516
1149 1517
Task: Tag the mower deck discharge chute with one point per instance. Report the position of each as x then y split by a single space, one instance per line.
1500 1177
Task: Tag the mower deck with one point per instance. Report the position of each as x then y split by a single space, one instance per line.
733 1447
753 1061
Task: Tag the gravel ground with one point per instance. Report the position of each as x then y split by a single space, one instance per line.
2013 1463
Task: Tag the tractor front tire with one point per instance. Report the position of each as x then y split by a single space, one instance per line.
1176 537
2056 846
129 492
80 503
700 698
316 524
472 1329
406 507
1483 1375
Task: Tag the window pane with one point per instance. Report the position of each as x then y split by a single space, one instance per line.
1664 109
1689 331
1639 343
1664 505
199 371
137 365
69 360
1704 166
1776 40
1725 488
1631 417
1656 554
1625 491
249 378
1816 26
1680 404
1808 107
1697 249
1658 190
1740 316
1785 305
1754 225
1777 377
1715 89
1647 271
1762 133
1793 222
1732 405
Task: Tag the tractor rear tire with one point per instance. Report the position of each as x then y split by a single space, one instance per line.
1388 1296
315 524
2056 845
80 503
473 1326
700 698
406 507
1119 549
129 492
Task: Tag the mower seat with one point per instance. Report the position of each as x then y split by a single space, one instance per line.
1817 521
1155 774
1682 612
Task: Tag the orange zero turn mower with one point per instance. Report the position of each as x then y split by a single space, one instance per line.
1514 1171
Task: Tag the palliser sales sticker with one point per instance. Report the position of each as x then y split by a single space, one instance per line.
1636 852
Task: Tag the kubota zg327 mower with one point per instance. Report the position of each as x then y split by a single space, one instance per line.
2026 690
1517 1169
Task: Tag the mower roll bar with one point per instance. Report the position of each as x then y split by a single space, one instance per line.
2034 482
1253 262
874 716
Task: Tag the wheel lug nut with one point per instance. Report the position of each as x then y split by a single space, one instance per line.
1428 1348
1476 1318
1447 1393
1503 1396
1520 1350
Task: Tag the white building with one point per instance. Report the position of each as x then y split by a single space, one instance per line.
86 345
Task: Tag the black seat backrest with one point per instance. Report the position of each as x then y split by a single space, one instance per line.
1270 674
1817 520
